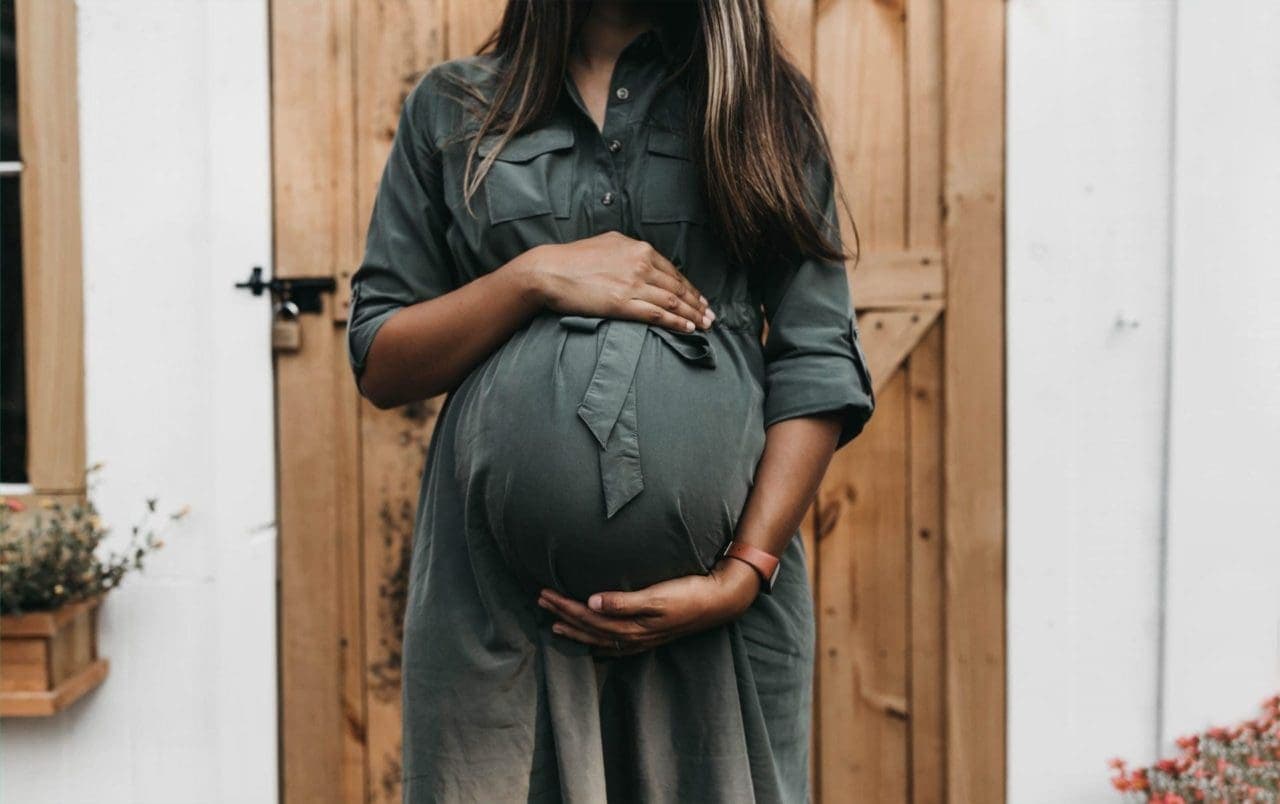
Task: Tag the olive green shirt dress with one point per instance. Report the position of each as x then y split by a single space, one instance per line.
591 454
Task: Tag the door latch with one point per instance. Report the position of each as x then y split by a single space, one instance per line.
301 293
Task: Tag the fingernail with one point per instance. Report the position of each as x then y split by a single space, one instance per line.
543 603
704 301
688 325
594 603
557 629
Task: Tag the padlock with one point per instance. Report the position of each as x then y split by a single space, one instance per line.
286 329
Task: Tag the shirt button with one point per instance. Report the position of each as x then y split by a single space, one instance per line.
623 93
614 146
606 199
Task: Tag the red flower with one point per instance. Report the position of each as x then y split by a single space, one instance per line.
1139 779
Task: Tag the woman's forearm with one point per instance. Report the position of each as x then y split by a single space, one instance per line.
796 455
428 348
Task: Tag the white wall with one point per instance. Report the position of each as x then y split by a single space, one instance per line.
175 172
1143 390
1223 645
1088 156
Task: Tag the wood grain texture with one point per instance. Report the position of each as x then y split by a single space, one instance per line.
859 73
468 23
396 42
793 22
393 446
898 279
974 445
926 534
49 659
924 123
889 336
53 284
51 702
863 611
321 694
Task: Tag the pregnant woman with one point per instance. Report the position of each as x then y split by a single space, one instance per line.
580 236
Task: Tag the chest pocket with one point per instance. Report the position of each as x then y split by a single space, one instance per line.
671 192
532 175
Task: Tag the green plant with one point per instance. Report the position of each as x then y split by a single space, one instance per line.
50 557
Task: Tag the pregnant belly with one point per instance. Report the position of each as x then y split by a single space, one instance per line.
605 454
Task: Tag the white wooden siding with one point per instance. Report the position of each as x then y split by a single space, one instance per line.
1222 651
175 169
1144 380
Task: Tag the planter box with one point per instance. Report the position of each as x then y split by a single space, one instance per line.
49 659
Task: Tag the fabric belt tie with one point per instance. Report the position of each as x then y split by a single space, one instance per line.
609 405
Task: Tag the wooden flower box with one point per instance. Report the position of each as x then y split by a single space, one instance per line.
49 659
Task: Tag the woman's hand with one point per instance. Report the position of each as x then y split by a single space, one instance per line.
615 276
623 623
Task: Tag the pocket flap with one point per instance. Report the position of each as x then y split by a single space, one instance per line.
529 144
669 143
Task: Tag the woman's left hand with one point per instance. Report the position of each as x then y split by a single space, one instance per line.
623 623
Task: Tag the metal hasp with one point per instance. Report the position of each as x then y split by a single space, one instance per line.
303 291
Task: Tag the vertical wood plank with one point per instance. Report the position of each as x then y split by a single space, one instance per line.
351 560
396 42
974 441
862 616
53 297
394 447
926 534
793 21
321 689
924 123
469 23
859 71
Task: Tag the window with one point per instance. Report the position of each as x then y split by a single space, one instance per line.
41 309
13 394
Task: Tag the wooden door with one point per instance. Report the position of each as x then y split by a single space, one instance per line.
907 533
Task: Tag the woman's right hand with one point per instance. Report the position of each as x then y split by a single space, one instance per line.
615 276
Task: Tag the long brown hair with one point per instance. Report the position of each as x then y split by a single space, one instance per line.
757 113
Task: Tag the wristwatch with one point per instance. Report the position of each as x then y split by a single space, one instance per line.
764 563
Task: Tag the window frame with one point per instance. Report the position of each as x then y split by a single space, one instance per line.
52 261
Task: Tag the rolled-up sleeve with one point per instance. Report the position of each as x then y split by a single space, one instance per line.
406 258
814 361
